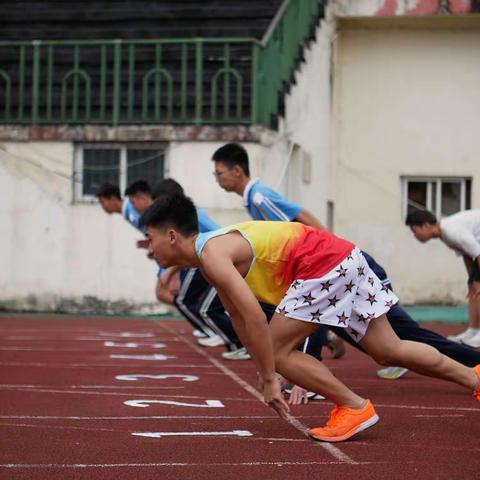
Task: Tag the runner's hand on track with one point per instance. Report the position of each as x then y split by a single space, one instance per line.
298 395
273 398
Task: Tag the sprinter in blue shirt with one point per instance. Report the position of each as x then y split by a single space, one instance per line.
263 203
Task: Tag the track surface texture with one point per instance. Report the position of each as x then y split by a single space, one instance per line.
116 398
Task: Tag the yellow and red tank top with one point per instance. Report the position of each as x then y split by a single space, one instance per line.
283 252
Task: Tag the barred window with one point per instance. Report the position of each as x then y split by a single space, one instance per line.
118 164
441 196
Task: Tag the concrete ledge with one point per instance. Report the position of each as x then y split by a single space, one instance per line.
131 133
441 314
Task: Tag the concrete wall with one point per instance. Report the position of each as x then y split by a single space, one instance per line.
307 124
406 103
56 255
372 102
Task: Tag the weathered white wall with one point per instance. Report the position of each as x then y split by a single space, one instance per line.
55 255
407 102
370 104
59 255
307 123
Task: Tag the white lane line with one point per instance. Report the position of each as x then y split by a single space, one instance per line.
334 451
155 357
55 427
126 334
233 433
136 376
144 341
151 417
110 343
86 387
95 365
34 349
128 345
79 392
439 416
421 407
156 465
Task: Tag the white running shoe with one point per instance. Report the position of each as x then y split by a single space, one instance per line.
238 354
198 334
473 341
214 341
391 373
469 332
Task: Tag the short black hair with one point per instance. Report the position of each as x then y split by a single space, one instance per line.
139 186
420 217
175 210
233 154
108 190
168 186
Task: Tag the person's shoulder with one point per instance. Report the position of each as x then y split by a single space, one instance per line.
260 191
259 186
460 219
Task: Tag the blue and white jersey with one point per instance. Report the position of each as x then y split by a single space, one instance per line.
263 203
205 223
131 215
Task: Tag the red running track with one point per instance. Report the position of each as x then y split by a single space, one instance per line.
75 405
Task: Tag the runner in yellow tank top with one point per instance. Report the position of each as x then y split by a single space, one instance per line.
346 293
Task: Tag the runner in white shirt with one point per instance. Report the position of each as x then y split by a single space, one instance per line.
460 232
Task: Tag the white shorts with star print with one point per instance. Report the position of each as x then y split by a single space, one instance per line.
349 296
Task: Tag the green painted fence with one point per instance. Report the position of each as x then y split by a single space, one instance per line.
165 81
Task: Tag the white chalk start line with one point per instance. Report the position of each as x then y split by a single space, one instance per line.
234 433
155 357
138 376
126 334
147 403
171 464
111 344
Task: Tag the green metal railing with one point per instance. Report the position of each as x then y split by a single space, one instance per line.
170 81
280 52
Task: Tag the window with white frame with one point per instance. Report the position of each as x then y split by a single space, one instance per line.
442 196
119 164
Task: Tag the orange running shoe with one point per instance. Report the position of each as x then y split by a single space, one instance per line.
476 392
344 422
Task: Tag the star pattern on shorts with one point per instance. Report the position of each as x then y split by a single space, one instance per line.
308 298
354 333
385 288
333 301
316 315
282 311
389 304
296 284
370 281
349 257
370 316
362 318
371 298
349 286
342 271
326 285
342 318
361 271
